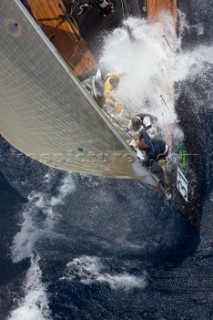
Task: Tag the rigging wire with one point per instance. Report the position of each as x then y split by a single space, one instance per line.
167 42
123 8
163 105
121 127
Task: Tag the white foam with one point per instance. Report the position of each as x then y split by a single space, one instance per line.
146 61
123 281
191 63
91 270
48 176
152 62
31 229
67 186
25 239
34 305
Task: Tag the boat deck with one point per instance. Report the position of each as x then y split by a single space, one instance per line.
154 7
49 15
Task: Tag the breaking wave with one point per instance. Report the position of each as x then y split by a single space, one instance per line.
90 270
146 56
34 306
38 218
152 60
40 206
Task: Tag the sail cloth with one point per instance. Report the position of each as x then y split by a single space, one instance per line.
45 112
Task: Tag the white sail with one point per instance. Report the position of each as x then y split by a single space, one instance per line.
45 112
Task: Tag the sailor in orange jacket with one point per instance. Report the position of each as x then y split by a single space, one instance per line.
110 91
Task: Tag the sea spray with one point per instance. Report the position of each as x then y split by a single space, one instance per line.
153 61
146 61
38 218
90 269
34 305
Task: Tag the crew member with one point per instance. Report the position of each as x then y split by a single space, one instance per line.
110 91
155 149
140 122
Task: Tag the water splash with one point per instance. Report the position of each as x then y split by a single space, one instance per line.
40 206
91 270
34 306
152 60
146 58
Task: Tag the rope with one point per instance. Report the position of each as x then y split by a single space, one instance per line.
124 13
164 104
167 42
164 101
118 124
166 50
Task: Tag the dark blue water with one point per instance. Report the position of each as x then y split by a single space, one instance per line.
75 247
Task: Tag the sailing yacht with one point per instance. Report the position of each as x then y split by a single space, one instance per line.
51 104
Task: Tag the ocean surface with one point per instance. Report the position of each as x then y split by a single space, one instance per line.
73 247
76 247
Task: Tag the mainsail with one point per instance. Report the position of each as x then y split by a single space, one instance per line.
45 112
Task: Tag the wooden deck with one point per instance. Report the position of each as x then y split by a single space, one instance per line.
64 35
154 13
155 7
